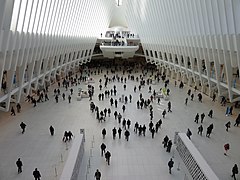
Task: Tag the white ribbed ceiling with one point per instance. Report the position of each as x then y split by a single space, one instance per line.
62 17
163 20
41 38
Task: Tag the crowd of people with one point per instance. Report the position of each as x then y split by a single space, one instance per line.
119 100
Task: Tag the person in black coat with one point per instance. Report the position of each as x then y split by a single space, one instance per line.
200 130
119 132
23 126
13 112
189 133
170 165
165 141
128 123
107 156
169 146
114 131
210 114
228 125
97 175
104 132
202 117
153 132
234 171
209 130
237 121
196 118
36 174
19 165
127 134
164 113
51 129
103 148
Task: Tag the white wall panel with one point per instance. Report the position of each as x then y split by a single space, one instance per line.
203 29
36 31
39 32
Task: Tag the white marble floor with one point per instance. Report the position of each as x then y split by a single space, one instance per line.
139 158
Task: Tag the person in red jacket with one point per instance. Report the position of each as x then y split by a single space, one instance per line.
226 148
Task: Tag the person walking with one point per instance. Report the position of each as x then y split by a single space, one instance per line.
192 96
109 112
105 112
115 115
226 148
150 125
107 156
186 101
157 127
143 129
200 130
46 97
119 132
128 123
165 141
228 125
19 165
103 148
200 97
160 123
196 118
169 146
210 114
13 112
69 99
130 98
56 98
65 136
214 97
230 110
237 121
114 131
124 123
97 175
36 174
227 113
189 133
23 126
69 135
123 108
164 113
104 132
202 117
170 165
136 125
153 132
234 171
63 96
209 130
169 106
51 129
18 107
119 118
127 134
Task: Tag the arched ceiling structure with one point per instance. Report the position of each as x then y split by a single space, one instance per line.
40 39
